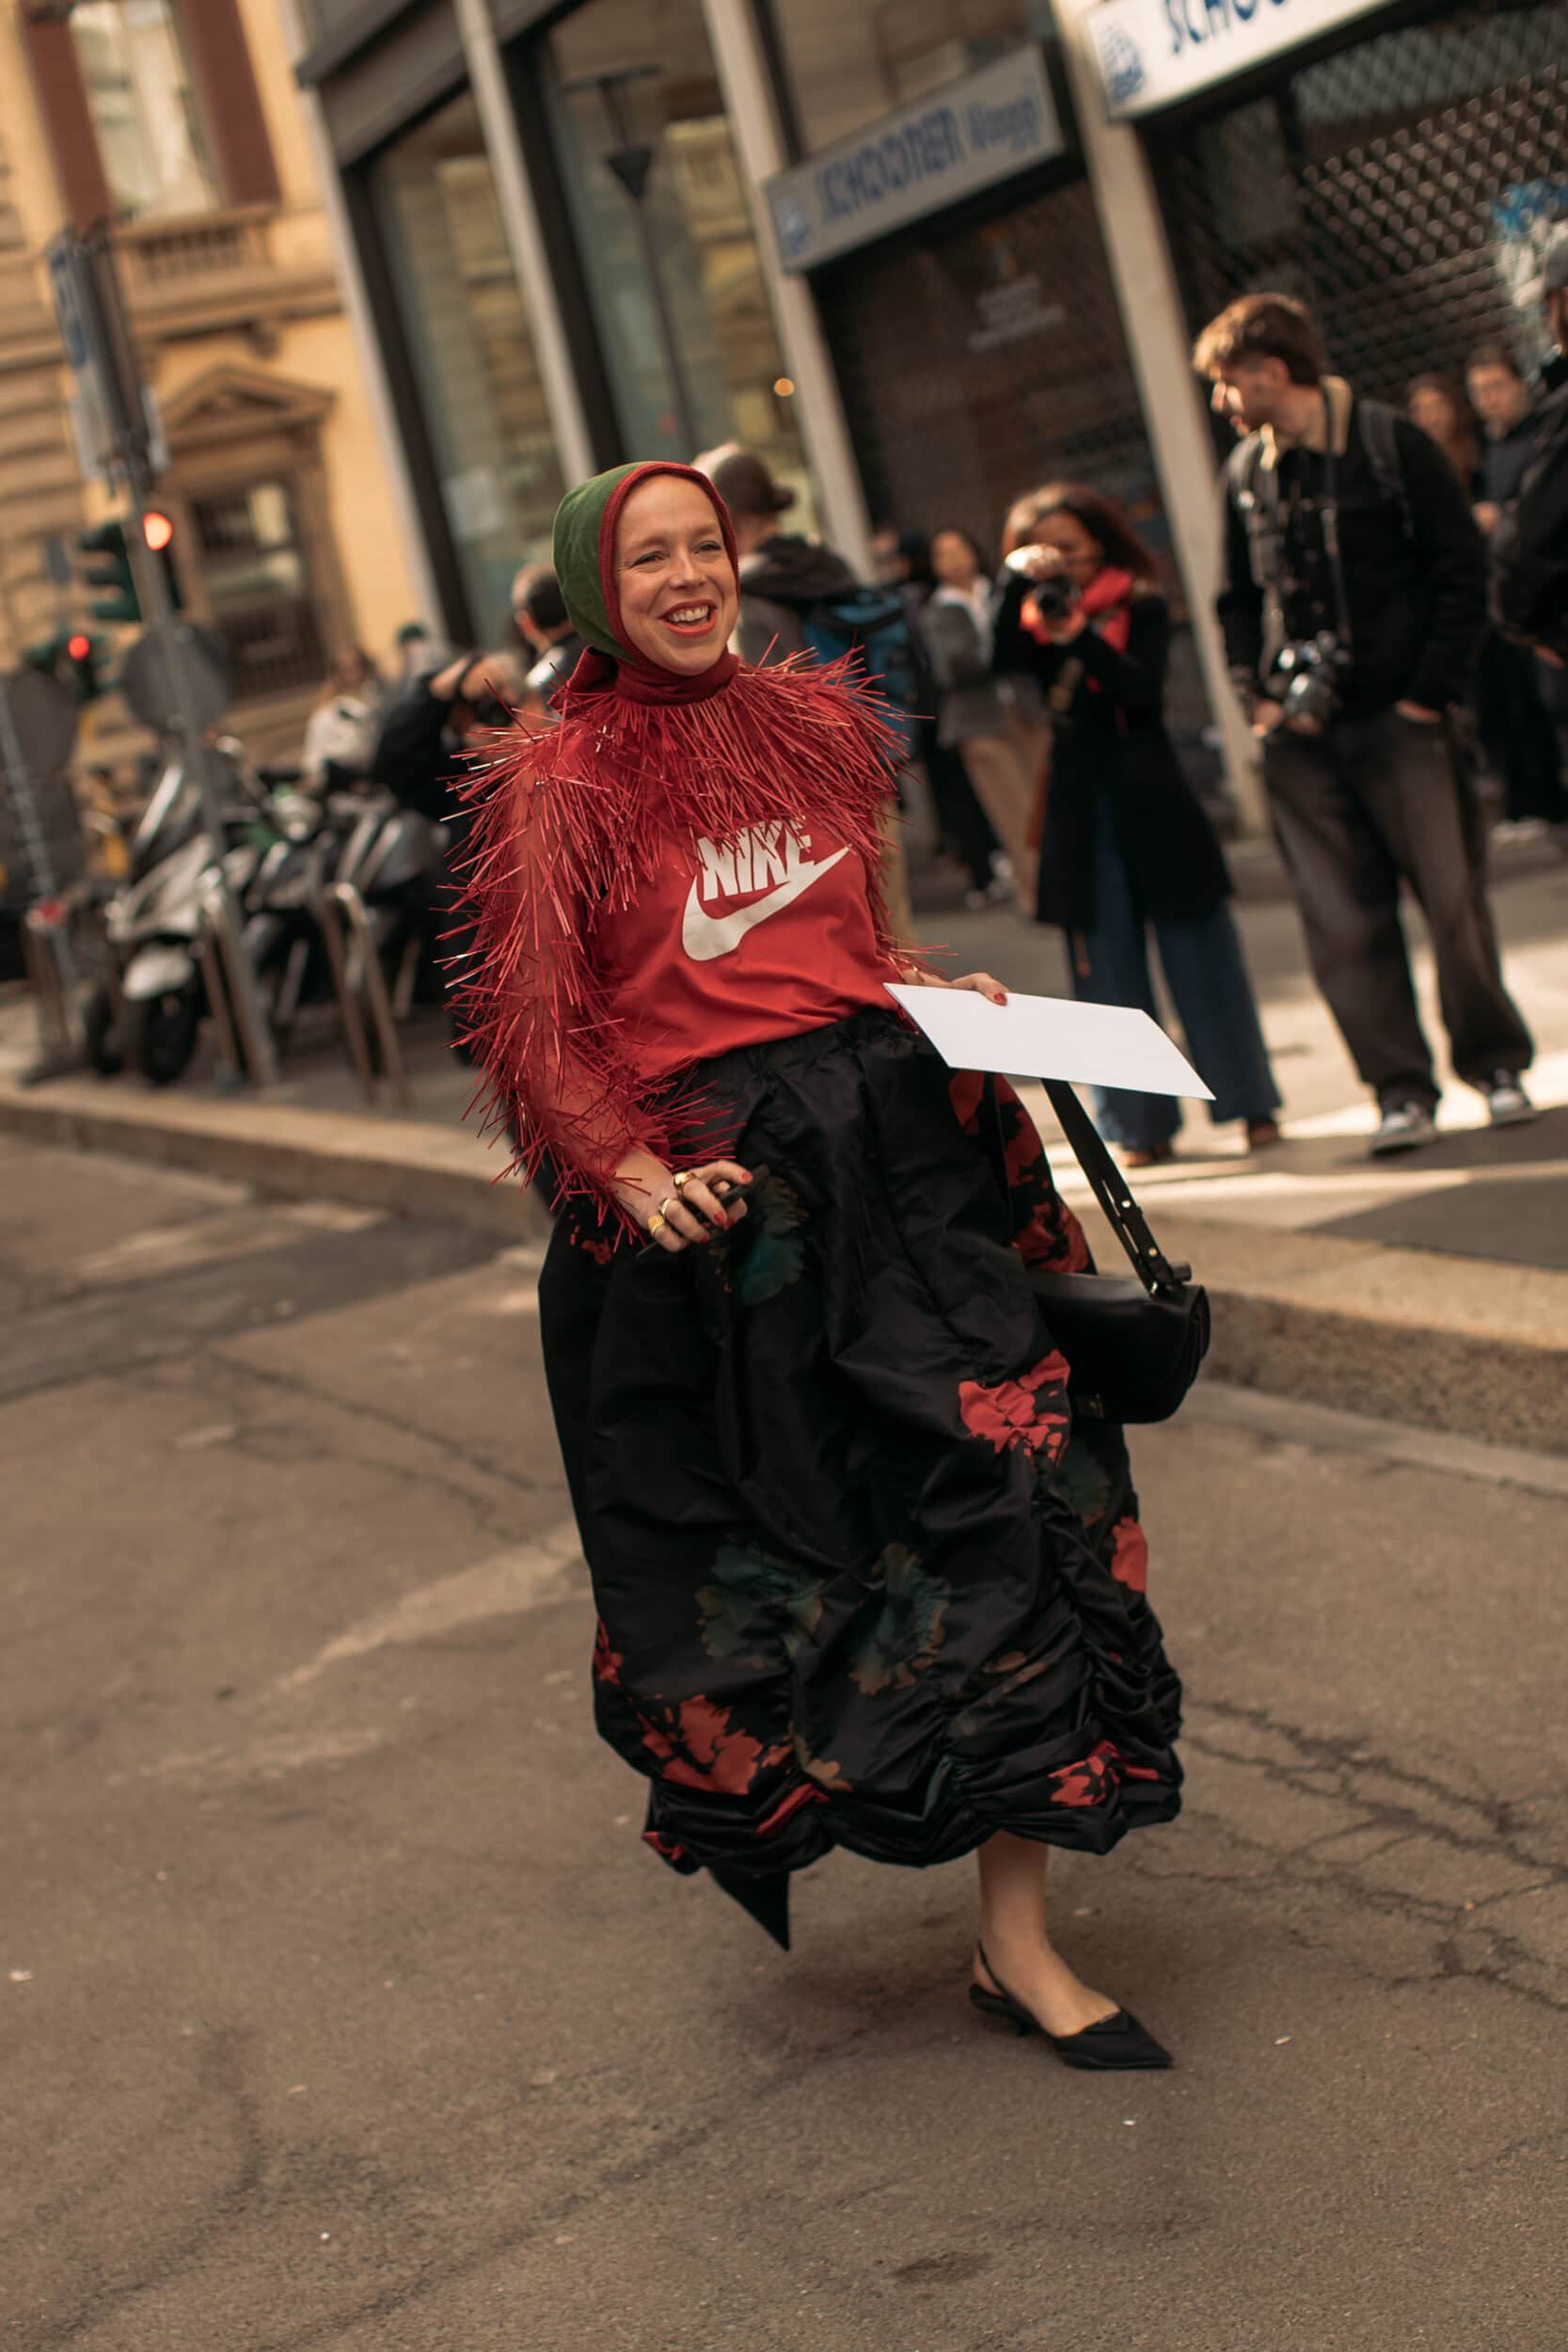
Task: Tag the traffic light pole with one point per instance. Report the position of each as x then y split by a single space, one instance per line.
98 316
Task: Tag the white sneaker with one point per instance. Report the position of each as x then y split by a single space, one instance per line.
1401 1127
1507 1104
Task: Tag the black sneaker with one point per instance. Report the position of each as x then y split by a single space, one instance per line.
1401 1127
1507 1104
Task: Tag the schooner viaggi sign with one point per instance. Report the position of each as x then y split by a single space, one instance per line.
959 140
1152 53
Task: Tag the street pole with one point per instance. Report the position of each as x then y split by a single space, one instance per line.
100 314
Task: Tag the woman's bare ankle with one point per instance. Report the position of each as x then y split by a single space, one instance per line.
1033 1972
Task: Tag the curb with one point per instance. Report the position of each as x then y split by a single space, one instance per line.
1468 1346
403 1166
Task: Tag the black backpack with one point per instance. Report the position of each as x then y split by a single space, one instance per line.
874 624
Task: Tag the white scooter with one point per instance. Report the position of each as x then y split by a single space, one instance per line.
153 1017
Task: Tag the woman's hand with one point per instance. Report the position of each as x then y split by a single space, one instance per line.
645 1189
981 982
1033 563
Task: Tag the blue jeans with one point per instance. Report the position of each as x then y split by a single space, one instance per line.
1201 958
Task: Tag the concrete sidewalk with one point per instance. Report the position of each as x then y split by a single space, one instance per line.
1432 1287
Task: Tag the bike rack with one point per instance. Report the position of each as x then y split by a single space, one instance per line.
409 972
222 974
343 916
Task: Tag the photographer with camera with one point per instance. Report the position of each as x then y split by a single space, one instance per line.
1126 846
1354 604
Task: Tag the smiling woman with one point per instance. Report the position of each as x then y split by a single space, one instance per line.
862 1579
675 575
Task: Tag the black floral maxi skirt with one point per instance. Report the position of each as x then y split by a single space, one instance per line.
862 1578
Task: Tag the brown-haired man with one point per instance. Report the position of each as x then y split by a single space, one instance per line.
1354 602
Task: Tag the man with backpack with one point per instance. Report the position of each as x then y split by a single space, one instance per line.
798 597
1354 601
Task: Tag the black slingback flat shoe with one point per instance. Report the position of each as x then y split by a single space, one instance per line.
1117 2044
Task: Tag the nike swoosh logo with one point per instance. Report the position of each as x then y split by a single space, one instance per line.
704 936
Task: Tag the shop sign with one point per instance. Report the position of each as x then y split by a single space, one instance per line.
959 140
1151 53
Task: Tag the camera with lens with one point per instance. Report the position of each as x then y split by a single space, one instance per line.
1055 598
1054 594
1307 681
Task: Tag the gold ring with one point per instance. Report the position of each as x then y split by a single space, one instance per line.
658 1221
683 1179
667 1203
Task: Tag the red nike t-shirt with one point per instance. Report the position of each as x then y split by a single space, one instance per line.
732 943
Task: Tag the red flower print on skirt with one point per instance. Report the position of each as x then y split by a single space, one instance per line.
1093 1781
1011 1413
608 1663
1129 1556
696 1747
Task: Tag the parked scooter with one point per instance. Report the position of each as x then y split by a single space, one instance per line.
151 1017
282 930
396 859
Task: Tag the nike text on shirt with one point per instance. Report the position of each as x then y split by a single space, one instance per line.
757 857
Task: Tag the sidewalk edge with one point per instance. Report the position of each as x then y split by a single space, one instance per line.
1312 1329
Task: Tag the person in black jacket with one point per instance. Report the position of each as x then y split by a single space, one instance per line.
1127 845
1529 547
1354 603
551 647
422 757
1512 708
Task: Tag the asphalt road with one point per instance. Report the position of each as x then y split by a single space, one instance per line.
343 2009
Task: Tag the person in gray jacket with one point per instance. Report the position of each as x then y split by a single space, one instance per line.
975 708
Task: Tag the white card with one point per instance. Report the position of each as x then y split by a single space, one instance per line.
1051 1036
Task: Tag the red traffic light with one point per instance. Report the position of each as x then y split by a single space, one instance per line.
79 648
157 530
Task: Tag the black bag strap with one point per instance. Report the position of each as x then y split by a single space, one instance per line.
1379 439
1115 1195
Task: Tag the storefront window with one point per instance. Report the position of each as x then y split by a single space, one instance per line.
143 108
472 353
852 61
665 236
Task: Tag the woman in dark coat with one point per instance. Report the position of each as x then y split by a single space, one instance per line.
1127 848
865 1578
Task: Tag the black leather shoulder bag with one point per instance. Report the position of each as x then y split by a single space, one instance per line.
1134 1341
